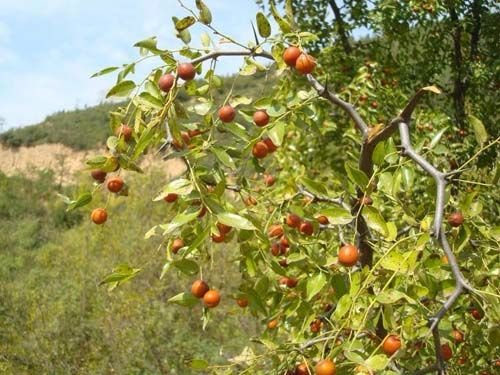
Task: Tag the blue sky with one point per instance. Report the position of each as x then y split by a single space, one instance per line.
49 48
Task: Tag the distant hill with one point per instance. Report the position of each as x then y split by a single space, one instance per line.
87 129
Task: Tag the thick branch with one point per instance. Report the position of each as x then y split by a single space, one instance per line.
476 29
344 36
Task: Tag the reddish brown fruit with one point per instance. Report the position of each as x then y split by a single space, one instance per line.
293 221
275 230
291 282
260 150
363 98
186 71
185 137
250 201
269 180
115 184
446 352
271 147
366 201
461 361
302 369
172 197
306 228
199 288
348 255
242 302
166 82
315 326
227 113
457 336
272 324
124 131
291 55
99 216
284 242
275 249
305 64
218 238
456 219
177 245
203 212
476 314
98 175
194 133
261 118
211 298
323 220
223 228
325 367
391 345
283 263
374 104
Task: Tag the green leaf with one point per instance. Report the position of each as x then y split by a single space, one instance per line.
178 221
145 99
223 157
235 221
479 129
392 296
181 186
313 187
105 71
205 14
356 176
202 108
263 25
435 140
187 266
337 215
184 23
377 362
184 299
375 220
282 23
394 261
149 45
198 364
124 88
240 100
343 306
277 133
314 285
119 275
144 141
82 200
198 240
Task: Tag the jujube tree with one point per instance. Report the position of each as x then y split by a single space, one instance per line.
360 263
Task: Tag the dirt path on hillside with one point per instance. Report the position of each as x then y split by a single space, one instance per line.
64 161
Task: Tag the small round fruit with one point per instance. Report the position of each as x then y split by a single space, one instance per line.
166 82
218 238
283 263
291 55
293 220
476 314
446 352
366 201
260 150
115 184
391 345
323 220
124 131
177 245
186 71
302 369
242 302
306 228
269 180
284 242
99 216
271 147
98 175
202 212
261 118
348 255
458 336
171 197
227 113
272 324
211 298
291 282
315 326
223 228
456 219
275 230
275 249
305 64
374 104
325 367
199 288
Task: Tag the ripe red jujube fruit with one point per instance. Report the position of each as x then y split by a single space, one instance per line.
305 64
227 113
186 71
166 82
291 55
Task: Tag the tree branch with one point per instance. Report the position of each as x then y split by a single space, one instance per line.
344 36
